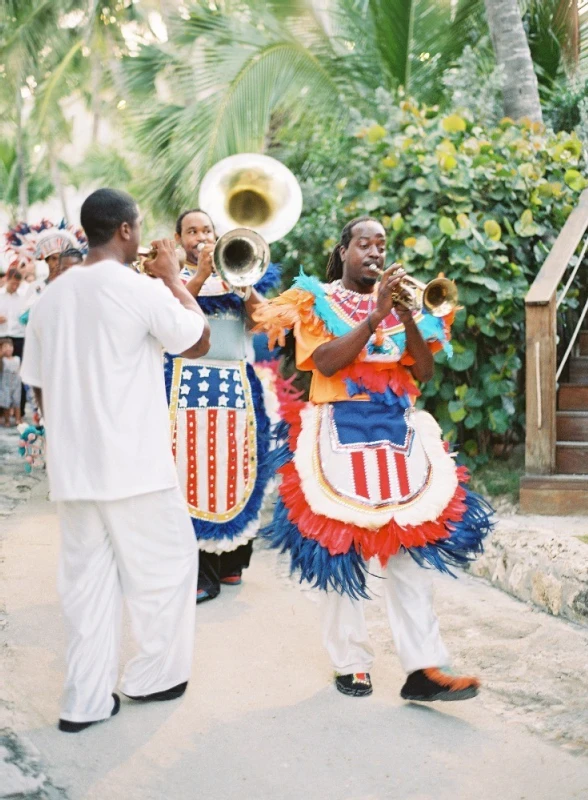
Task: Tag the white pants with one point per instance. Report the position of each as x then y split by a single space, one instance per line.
141 547
408 596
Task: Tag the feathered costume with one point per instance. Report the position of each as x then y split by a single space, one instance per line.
26 243
219 424
364 473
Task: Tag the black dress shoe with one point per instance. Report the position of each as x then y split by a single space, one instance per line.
75 727
356 684
168 694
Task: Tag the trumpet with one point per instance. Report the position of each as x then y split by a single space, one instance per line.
147 254
241 257
439 296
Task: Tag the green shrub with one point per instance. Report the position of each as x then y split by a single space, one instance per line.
482 205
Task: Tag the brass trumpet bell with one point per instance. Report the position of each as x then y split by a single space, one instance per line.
439 296
241 257
250 190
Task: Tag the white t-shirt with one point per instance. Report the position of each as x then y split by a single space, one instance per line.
93 346
12 305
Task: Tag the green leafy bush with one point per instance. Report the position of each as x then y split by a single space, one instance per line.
483 206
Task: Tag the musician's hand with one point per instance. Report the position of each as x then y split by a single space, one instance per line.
205 262
389 283
404 310
3 320
165 265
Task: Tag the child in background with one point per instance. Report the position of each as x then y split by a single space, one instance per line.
10 383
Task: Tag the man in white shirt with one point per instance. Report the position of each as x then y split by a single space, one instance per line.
13 302
94 355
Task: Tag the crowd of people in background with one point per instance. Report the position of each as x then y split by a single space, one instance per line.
40 255
14 295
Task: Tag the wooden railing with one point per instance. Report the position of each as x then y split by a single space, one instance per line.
542 372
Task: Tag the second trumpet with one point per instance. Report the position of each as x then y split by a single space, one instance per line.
439 296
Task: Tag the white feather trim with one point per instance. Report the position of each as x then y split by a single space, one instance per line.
228 545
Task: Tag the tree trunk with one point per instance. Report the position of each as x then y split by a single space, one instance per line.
21 167
520 89
95 74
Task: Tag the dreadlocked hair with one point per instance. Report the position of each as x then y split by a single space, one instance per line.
335 264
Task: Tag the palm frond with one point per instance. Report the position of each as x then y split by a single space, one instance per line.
48 96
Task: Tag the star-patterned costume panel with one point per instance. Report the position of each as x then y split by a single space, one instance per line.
219 427
213 436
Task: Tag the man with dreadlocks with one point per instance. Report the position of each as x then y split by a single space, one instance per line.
365 474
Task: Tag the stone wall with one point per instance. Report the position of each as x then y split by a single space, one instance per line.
542 560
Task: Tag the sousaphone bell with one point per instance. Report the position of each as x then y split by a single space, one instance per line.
253 200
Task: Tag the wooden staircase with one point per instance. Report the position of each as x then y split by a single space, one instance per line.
556 452
571 447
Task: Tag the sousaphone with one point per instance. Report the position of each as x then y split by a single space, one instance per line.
253 200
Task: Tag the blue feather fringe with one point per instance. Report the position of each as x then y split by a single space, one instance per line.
321 307
465 541
219 303
386 398
271 279
345 573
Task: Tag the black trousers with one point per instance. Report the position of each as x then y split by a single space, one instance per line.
214 566
18 342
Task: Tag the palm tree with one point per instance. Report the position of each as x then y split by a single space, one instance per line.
520 87
233 72
557 32
24 38
51 50
39 184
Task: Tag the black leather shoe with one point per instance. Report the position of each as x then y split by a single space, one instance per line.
356 684
75 727
168 694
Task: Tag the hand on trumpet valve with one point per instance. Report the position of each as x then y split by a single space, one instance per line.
162 261
205 266
392 294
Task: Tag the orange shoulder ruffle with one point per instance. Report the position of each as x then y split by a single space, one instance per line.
287 312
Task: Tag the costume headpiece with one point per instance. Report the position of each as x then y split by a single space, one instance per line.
26 243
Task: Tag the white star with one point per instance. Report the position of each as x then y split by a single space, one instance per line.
224 387
224 373
223 400
203 402
236 377
238 390
240 402
186 374
184 389
204 372
203 386
183 402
